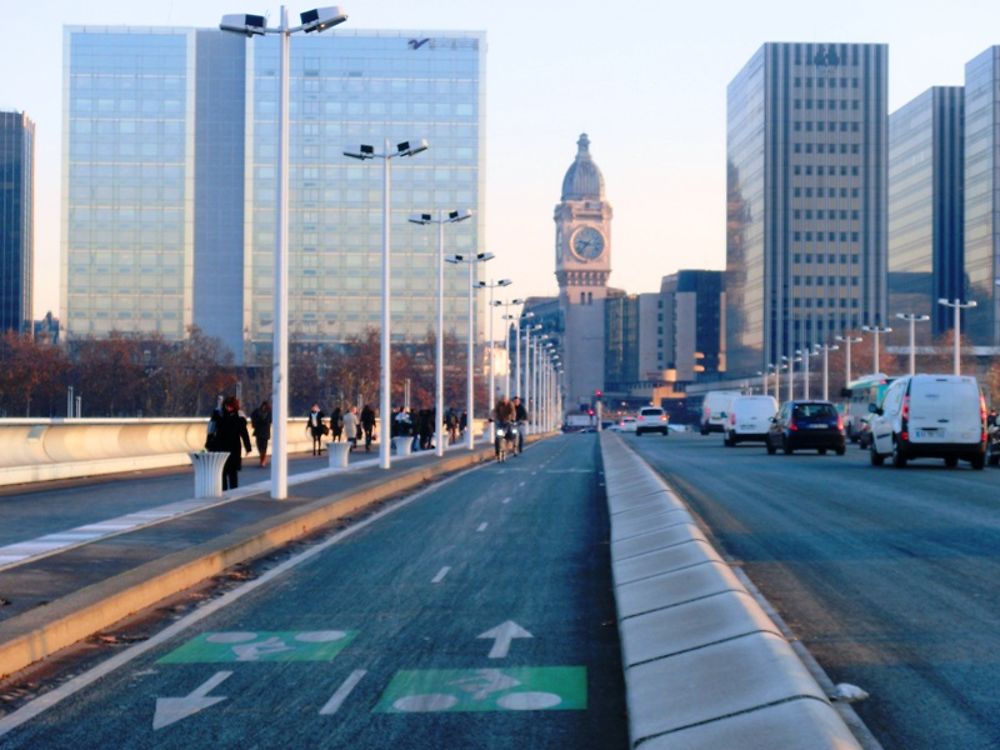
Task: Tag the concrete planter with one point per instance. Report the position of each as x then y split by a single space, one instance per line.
208 472
338 453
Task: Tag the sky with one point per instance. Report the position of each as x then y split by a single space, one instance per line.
645 79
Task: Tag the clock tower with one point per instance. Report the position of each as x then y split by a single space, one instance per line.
583 264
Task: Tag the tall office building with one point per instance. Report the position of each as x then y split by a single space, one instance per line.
982 196
170 144
806 206
17 179
926 166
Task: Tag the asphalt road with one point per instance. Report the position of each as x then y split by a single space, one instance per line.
891 577
412 632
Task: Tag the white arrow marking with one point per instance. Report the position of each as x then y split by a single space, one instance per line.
502 635
169 710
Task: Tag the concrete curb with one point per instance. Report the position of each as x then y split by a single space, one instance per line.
705 667
42 631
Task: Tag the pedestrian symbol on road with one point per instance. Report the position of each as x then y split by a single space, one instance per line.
463 690
269 646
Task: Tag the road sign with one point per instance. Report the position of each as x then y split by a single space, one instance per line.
267 646
477 690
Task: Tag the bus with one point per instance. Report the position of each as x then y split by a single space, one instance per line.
867 389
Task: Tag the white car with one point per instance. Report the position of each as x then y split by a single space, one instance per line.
930 416
749 418
626 424
714 410
651 419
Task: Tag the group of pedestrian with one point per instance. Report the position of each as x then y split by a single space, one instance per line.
346 425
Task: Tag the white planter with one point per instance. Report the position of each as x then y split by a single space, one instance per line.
403 444
338 453
208 472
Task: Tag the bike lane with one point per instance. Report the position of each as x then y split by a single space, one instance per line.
478 615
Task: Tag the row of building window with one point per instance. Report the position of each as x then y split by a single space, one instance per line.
831 280
808 303
820 192
830 258
821 148
822 126
826 104
823 214
829 236
822 170
825 82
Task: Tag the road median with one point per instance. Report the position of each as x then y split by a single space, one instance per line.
705 667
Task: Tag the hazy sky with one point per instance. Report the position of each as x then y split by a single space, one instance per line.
646 79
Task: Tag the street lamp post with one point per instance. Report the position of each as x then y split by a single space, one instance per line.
847 341
364 153
876 329
804 355
470 261
449 217
317 20
958 306
506 304
913 319
492 397
529 392
519 382
826 349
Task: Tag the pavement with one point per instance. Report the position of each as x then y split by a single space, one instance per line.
59 597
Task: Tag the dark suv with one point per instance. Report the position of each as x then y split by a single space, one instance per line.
812 425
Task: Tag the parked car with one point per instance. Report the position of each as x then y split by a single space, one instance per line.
864 432
715 409
930 416
651 419
749 418
799 425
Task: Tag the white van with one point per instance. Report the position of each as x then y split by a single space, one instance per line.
930 416
749 418
714 410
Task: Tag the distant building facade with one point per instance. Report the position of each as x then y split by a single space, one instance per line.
170 181
982 196
926 207
693 310
17 180
807 151
583 265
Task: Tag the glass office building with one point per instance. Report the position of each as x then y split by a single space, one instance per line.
170 170
926 167
806 233
17 170
982 196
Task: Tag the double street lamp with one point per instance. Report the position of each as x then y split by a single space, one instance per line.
847 341
506 305
826 349
491 285
444 217
958 306
913 319
876 329
470 261
317 20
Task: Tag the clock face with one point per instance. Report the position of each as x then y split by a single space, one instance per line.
588 243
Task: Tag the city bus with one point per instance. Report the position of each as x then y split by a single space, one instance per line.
867 389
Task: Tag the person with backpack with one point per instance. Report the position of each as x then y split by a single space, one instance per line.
260 420
228 435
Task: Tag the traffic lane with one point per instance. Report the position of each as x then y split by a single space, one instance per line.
525 542
35 512
889 576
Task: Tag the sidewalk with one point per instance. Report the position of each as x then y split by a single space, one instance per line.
69 594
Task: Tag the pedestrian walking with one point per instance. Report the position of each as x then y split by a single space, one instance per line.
352 426
229 435
451 425
368 425
336 424
260 420
316 428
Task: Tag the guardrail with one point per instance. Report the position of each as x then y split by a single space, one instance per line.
705 667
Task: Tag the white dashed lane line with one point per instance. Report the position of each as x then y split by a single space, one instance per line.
441 574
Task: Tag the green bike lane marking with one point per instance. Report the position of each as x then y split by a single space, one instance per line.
266 646
479 690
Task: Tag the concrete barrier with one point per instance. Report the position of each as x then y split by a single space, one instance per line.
705 667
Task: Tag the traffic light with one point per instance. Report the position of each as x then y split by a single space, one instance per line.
597 393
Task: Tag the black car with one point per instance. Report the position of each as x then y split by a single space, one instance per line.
806 425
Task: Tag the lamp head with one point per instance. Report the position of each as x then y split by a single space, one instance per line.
504 282
422 219
517 301
454 258
364 152
461 215
322 19
243 23
411 148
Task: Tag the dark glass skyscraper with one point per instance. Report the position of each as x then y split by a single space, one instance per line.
926 259
807 132
982 196
17 175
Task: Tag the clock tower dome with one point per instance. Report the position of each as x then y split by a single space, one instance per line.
583 265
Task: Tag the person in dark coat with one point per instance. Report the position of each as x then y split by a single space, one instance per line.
336 424
229 436
368 425
260 420
316 428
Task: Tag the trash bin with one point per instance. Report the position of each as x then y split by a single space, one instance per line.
403 443
208 472
338 453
